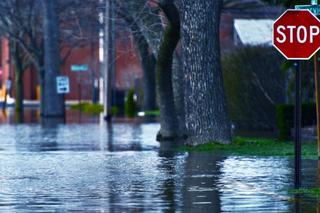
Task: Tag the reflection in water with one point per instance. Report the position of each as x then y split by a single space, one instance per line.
121 168
201 192
169 166
253 184
110 137
19 117
169 148
310 179
6 115
52 123
129 137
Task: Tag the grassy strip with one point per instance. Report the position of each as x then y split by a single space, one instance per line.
152 113
312 192
92 109
256 147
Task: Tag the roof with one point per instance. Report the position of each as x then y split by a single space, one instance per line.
254 31
239 4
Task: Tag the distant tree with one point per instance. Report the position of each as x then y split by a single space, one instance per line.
21 21
152 25
128 12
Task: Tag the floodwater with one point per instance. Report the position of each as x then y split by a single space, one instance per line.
94 167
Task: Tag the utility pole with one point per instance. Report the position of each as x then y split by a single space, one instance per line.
109 57
53 103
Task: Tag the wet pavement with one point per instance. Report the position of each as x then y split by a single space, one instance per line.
93 167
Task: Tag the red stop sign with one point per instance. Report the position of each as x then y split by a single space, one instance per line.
296 34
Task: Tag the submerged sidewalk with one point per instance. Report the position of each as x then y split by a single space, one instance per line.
36 103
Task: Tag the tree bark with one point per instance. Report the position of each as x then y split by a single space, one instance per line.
53 103
19 108
178 93
206 110
18 79
18 75
19 89
171 37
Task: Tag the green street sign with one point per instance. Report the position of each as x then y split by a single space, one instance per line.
315 9
79 68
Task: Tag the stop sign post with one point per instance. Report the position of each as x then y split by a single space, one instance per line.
296 35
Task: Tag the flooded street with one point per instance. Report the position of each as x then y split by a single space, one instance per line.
121 168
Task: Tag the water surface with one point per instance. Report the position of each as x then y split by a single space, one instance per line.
96 167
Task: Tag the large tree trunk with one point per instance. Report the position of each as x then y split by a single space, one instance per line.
168 117
53 103
206 110
178 93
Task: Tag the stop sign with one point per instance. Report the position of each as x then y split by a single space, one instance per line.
296 34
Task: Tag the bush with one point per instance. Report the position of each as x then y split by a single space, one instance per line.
253 84
94 109
130 105
114 111
285 118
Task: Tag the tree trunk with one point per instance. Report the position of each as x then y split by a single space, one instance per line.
19 90
206 110
19 108
168 117
18 75
148 62
17 60
53 103
178 93
42 90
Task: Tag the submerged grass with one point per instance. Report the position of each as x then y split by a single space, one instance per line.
256 147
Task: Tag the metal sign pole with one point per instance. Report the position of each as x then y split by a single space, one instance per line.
297 125
317 97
